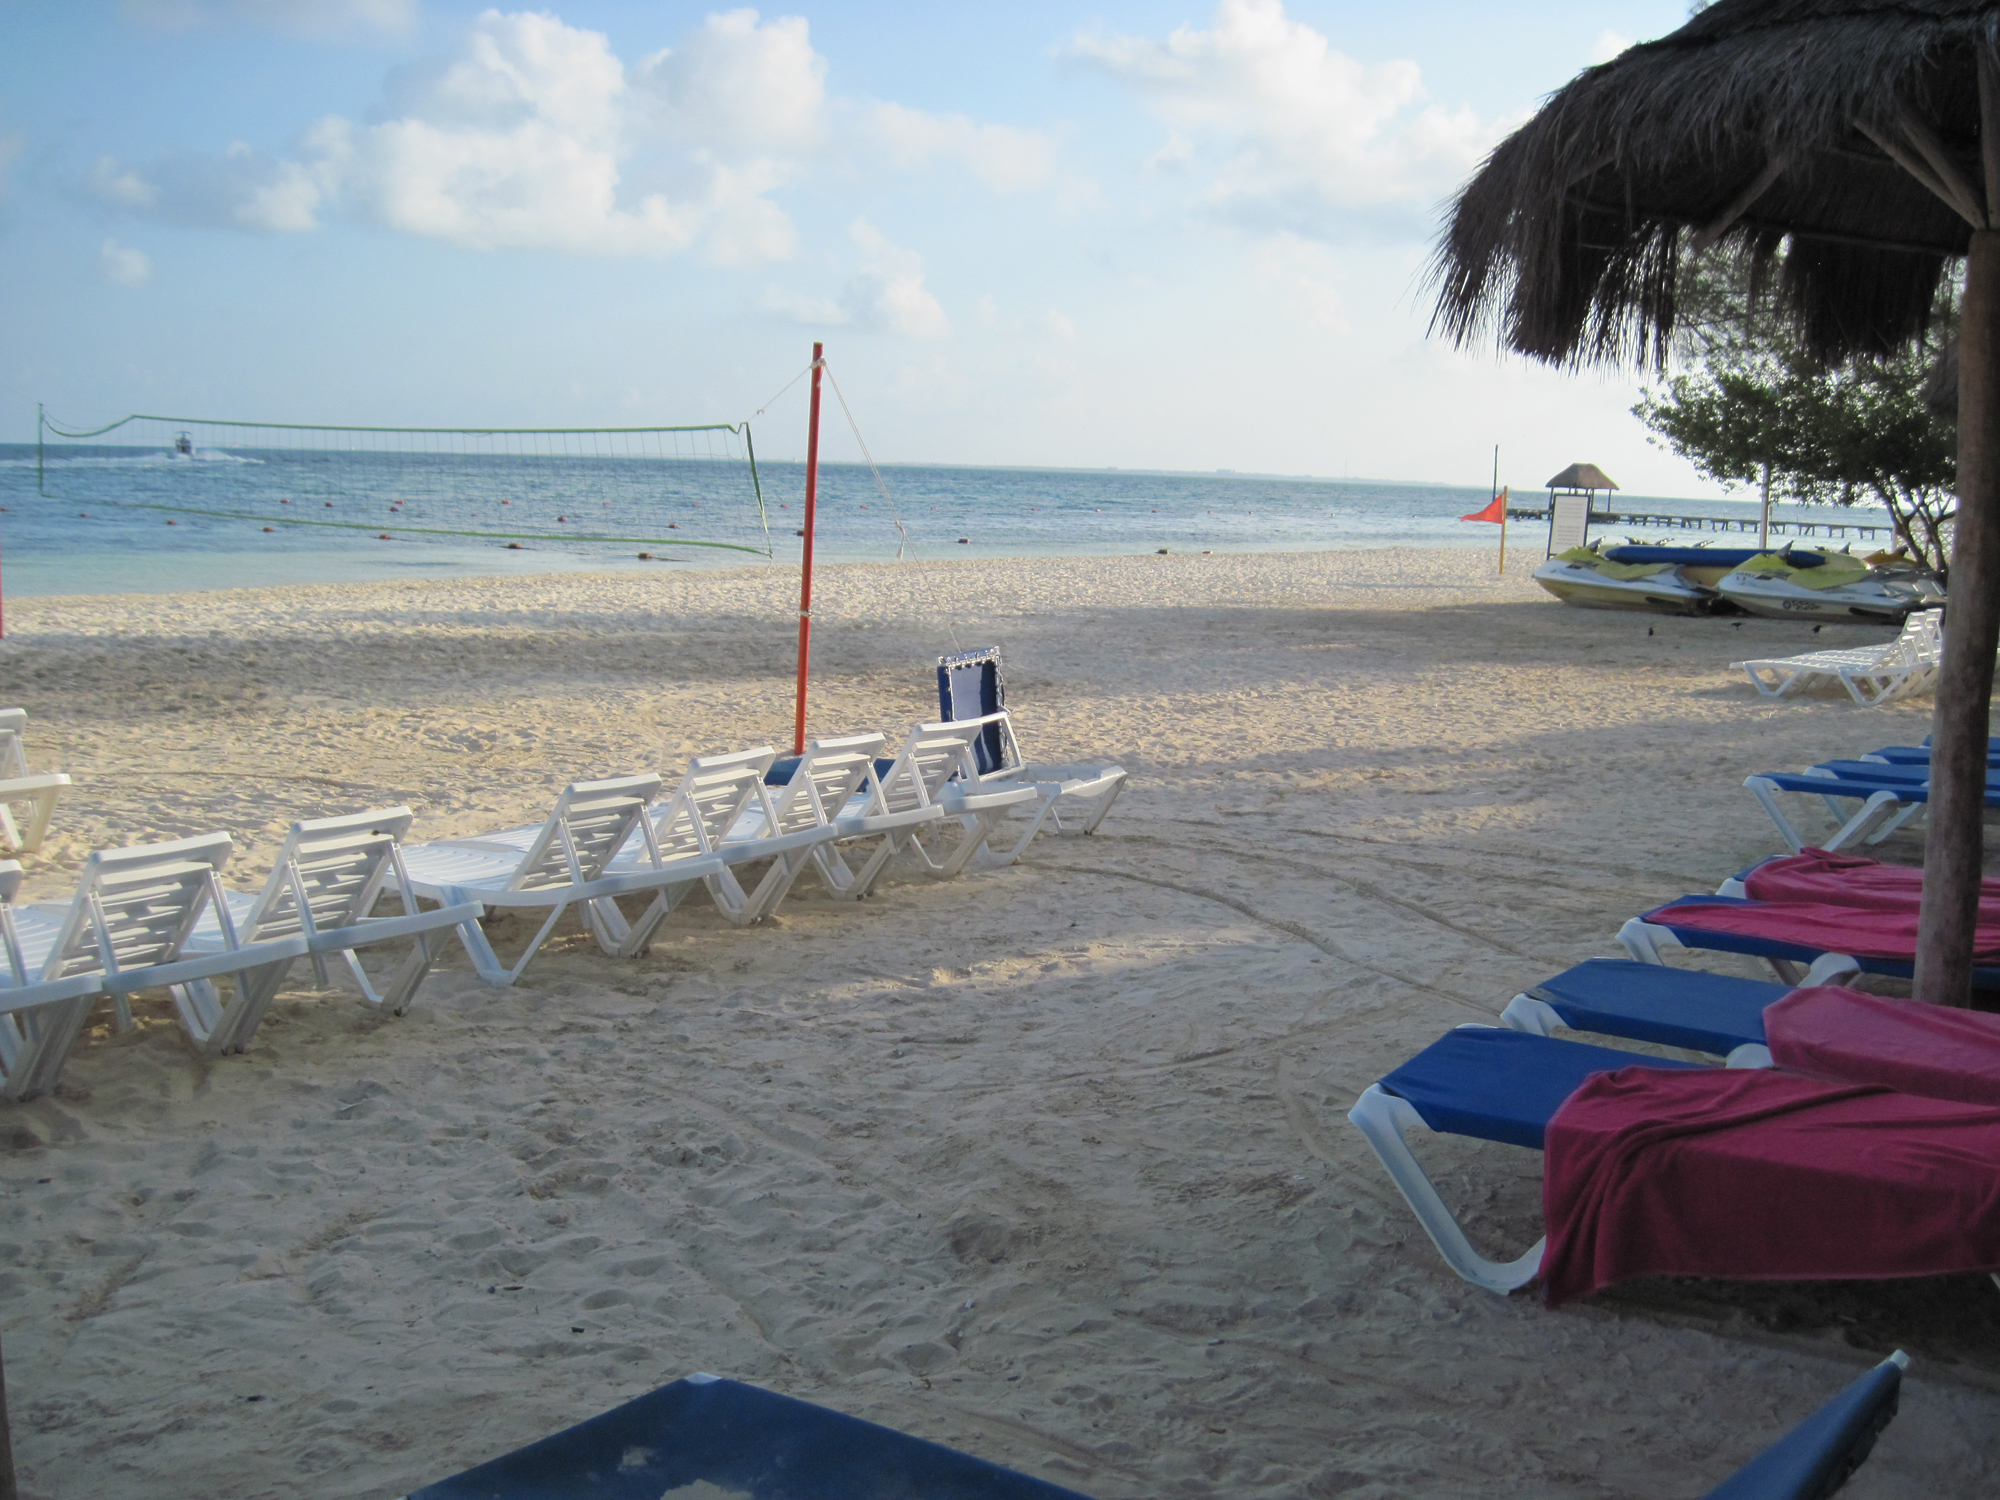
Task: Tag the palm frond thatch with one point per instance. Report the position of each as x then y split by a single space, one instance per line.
1754 124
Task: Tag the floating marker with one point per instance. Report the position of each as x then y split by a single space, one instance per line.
645 557
270 528
965 541
514 546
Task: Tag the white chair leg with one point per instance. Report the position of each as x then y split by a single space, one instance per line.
1384 1119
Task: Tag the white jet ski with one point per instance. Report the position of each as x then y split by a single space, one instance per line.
1658 580
1827 586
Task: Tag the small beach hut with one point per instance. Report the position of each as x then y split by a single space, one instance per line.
1851 149
1573 505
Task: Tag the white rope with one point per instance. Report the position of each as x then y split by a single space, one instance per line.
895 515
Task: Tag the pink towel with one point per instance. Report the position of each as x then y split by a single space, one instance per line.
1861 931
1813 875
1936 1051
1753 1174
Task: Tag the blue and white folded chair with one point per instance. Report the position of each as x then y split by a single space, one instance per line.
325 885
1644 1002
127 926
18 788
1069 798
709 1436
1657 941
552 867
1821 1454
1489 1083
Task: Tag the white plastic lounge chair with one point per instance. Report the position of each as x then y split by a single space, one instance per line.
892 807
324 885
22 992
128 925
562 863
1069 798
1871 675
17 786
977 802
1717 1014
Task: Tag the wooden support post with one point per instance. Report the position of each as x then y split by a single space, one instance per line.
1955 843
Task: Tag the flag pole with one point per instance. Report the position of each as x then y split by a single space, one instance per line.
1503 530
806 572
1503 511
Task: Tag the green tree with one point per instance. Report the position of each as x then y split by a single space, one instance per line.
1747 409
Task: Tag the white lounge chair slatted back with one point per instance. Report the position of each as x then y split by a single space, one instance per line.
591 821
933 754
328 875
715 791
136 906
13 754
827 776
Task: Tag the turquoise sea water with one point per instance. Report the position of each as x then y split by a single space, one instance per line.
247 517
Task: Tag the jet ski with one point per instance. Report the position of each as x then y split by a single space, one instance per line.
1821 586
1659 580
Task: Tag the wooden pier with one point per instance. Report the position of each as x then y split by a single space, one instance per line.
1830 529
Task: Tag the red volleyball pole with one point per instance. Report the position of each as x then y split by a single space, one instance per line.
806 573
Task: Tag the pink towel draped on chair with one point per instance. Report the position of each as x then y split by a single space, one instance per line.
1937 1051
1813 875
1862 931
1758 1175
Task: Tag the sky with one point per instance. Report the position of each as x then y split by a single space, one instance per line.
1142 235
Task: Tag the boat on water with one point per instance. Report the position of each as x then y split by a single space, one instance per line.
183 446
1834 586
1657 580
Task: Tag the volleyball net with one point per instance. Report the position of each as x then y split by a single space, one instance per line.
692 489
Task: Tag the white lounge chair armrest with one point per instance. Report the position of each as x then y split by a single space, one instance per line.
47 992
1749 1055
1829 967
1644 941
205 966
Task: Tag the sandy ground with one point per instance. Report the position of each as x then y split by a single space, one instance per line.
1049 1163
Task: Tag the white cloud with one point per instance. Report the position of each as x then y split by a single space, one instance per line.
888 294
1305 272
1060 326
533 134
312 18
1003 157
1285 132
124 265
811 312
1608 45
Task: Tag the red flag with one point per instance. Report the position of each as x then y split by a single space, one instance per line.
1497 511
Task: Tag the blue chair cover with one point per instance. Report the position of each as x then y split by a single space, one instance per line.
1499 1085
1816 1457
741 1440
970 687
1673 1007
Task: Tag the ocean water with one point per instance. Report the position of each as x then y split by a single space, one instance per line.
123 520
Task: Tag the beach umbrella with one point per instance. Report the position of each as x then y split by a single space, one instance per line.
1860 138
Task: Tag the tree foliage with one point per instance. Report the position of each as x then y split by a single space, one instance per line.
1747 407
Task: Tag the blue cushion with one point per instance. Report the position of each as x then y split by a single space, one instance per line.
781 771
1500 1085
1672 1007
739 1439
1812 1460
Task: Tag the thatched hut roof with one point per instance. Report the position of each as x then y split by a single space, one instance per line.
1582 477
1756 122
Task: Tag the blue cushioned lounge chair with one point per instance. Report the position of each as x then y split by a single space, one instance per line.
1489 1083
1652 941
1622 997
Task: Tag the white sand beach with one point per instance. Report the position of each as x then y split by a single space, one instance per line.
1048 1163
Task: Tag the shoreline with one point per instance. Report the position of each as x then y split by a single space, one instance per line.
1047 1163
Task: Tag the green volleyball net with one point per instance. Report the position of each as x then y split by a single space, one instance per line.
685 491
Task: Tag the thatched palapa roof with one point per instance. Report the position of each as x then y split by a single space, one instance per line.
1757 121
1582 477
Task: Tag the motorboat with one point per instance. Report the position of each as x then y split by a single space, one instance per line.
1823 586
1658 580
183 446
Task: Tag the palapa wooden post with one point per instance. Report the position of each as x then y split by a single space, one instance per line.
806 572
1954 844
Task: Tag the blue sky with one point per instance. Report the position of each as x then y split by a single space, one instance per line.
1137 234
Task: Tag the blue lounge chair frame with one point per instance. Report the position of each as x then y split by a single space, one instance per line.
1820 1455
